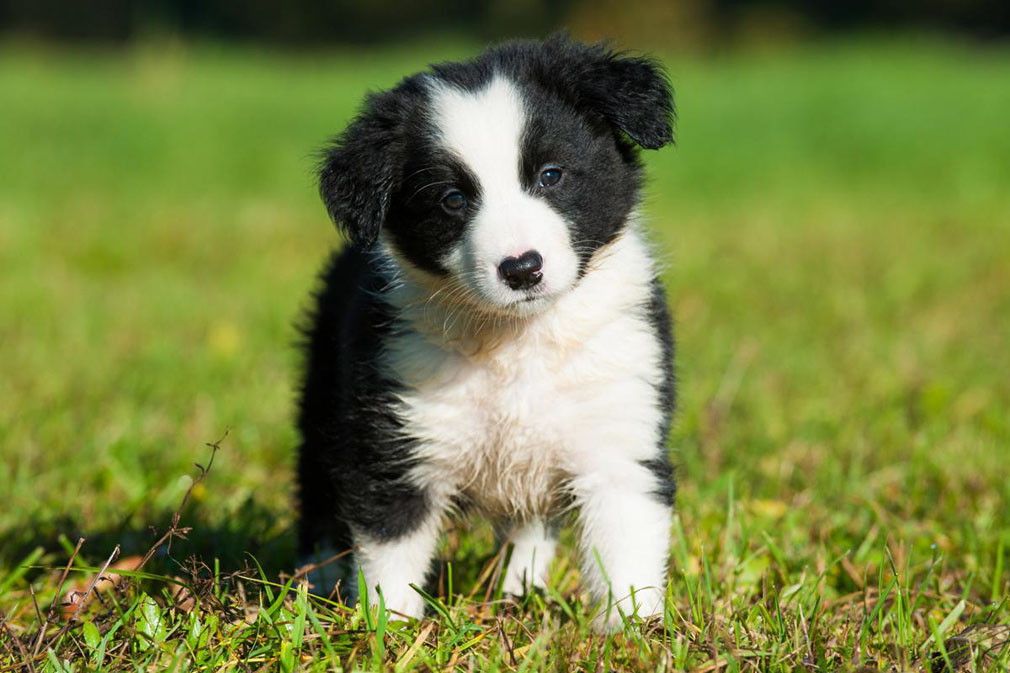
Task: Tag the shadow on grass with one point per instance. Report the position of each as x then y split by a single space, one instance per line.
253 534
234 541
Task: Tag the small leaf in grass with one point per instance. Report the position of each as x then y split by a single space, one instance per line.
196 628
91 635
151 622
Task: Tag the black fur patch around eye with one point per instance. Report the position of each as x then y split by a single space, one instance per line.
420 228
601 181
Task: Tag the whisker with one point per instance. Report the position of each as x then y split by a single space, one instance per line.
431 184
419 171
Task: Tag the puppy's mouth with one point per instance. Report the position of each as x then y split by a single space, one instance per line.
531 302
531 298
513 303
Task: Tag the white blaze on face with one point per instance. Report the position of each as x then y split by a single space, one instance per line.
483 129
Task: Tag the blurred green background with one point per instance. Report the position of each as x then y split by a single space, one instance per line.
834 223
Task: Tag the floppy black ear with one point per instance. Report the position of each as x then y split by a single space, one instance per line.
356 174
631 92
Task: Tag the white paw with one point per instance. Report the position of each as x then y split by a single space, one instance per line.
530 563
645 603
402 602
520 578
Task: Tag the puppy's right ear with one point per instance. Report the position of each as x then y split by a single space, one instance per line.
357 171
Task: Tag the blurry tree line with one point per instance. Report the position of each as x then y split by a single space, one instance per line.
653 22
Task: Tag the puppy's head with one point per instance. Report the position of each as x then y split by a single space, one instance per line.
499 178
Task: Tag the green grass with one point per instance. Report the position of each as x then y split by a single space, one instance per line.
836 224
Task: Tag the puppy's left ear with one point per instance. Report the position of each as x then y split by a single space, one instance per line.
357 171
631 92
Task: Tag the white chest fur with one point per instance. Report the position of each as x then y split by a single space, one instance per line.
508 413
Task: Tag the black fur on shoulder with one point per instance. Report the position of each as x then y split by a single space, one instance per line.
353 455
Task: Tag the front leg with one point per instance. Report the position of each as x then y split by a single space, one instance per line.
625 539
393 564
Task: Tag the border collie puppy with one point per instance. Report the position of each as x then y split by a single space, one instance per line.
494 338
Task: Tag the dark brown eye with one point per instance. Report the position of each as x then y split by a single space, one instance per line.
454 200
550 176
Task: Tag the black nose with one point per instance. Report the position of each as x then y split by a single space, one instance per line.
523 272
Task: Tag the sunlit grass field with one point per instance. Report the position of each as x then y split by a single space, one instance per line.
835 226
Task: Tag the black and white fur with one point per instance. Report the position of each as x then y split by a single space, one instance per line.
433 386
